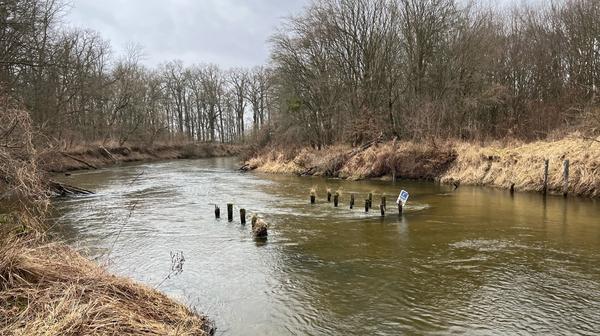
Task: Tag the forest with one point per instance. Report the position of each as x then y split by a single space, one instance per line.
341 71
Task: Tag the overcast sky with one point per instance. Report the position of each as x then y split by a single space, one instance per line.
225 32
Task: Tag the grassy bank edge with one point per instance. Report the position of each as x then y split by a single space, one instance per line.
450 162
47 288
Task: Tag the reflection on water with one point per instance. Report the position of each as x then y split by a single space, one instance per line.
474 261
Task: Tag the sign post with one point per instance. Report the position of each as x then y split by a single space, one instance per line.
402 199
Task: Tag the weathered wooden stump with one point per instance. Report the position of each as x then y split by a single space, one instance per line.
336 199
366 205
230 212
328 196
260 229
313 198
243 216
351 201
370 200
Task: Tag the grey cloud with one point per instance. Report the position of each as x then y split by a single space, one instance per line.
225 32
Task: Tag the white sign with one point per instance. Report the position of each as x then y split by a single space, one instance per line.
403 197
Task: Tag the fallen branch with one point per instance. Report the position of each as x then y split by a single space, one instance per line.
62 189
367 145
245 167
108 154
79 160
308 172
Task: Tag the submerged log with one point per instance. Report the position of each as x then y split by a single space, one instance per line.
63 189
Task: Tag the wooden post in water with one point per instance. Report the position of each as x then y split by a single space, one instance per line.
243 216
328 196
566 178
546 164
512 189
400 209
351 201
370 200
230 212
336 199
382 206
217 212
367 205
313 198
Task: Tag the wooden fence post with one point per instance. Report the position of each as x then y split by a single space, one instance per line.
336 199
382 206
230 212
367 205
566 178
546 165
351 201
243 216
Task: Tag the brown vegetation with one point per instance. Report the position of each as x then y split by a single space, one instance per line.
50 289
497 165
96 155
53 290
346 70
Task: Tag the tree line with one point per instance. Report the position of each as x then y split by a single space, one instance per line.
340 71
347 70
75 90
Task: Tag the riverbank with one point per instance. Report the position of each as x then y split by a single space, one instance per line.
518 165
49 289
94 156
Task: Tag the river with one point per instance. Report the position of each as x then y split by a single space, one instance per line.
472 261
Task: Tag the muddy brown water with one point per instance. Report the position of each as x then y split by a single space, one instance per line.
475 261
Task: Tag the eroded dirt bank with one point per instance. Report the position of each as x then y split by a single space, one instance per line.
97 156
452 162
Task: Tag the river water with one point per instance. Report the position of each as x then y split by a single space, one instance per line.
474 261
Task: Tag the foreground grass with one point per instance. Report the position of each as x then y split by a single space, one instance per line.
496 165
50 289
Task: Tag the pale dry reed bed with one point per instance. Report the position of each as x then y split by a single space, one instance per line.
521 164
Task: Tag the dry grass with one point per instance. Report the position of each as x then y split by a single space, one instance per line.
523 165
49 289
497 165
21 187
53 290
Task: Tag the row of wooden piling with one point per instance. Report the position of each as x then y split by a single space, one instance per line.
259 227
566 165
368 202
